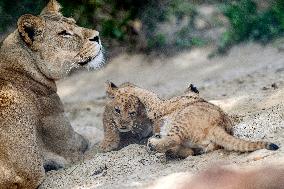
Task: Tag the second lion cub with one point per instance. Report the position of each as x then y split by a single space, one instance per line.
184 123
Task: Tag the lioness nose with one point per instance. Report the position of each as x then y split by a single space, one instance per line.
96 39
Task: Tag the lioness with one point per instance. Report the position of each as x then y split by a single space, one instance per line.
34 132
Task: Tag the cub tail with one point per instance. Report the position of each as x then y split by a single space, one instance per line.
231 143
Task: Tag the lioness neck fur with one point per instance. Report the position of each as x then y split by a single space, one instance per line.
34 132
183 123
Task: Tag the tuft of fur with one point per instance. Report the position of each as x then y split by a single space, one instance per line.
271 146
193 88
53 7
97 63
185 123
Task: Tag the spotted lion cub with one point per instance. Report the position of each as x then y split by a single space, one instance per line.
124 124
128 124
181 124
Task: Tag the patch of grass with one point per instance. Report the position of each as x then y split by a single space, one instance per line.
184 43
157 41
249 23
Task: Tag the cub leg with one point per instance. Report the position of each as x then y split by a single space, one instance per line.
162 145
184 152
111 140
180 151
111 135
209 148
172 140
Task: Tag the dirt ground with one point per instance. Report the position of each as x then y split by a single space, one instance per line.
248 83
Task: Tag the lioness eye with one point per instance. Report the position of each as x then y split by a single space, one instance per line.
117 110
132 113
64 33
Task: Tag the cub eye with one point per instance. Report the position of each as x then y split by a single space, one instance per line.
132 113
65 33
117 110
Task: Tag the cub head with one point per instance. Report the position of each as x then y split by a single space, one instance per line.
129 113
57 44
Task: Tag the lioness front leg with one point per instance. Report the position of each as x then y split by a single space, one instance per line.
60 138
52 161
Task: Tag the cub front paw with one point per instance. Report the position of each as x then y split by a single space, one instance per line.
151 145
104 148
107 147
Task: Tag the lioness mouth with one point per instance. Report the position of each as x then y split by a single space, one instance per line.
90 59
86 61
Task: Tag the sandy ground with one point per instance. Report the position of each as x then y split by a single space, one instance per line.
248 84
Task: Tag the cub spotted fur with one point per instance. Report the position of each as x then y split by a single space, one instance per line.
35 135
184 123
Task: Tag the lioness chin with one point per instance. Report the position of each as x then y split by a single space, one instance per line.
34 132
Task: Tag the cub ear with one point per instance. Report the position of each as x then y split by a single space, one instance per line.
31 29
110 89
140 104
141 107
53 7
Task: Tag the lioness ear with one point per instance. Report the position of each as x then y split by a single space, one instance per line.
53 7
110 89
31 29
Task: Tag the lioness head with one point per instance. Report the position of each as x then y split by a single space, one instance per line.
57 43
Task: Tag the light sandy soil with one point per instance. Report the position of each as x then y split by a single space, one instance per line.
248 83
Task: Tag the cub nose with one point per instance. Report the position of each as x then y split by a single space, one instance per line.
123 127
95 39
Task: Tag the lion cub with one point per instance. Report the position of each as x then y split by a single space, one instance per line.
181 124
129 124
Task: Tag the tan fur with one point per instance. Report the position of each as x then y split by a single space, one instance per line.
34 131
184 123
118 133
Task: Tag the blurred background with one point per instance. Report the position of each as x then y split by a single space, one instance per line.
164 26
